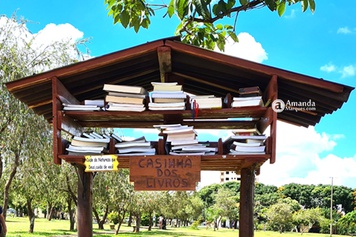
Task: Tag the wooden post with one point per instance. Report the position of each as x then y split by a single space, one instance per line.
246 202
84 209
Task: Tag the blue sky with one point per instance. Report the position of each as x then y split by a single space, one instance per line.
320 45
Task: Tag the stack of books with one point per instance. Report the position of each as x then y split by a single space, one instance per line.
136 147
125 98
87 105
205 102
248 96
182 140
246 142
88 144
167 96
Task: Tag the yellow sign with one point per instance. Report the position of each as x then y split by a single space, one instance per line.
101 163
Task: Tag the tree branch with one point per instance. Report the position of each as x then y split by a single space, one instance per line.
251 5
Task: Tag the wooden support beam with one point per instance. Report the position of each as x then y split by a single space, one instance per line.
165 61
247 188
84 208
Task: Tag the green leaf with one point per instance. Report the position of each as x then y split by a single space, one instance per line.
304 5
281 8
181 7
145 23
243 2
233 36
124 18
271 4
219 26
312 5
230 4
170 9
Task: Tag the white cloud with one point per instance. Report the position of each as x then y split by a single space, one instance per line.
328 67
246 48
62 32
344 30
299 159
345 71
348 71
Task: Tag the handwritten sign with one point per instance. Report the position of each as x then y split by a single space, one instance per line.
101 163
165 172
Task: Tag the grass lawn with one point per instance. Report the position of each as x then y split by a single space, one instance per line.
18 227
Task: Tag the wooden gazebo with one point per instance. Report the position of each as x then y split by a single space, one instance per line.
200 71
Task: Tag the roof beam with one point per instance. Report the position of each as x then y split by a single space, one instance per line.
165 61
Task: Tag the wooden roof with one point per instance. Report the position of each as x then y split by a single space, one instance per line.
200 71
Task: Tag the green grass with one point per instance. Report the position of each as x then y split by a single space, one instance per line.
18 227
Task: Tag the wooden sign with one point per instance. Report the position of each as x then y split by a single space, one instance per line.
96 163
165 172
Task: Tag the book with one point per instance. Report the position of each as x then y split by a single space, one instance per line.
179 147
88 148
247 101
146 153
243 137
247 98
168 126
88 142
125 107
74 107
201 153
116 137
122 94
136 150
199 149
98 102
181 136
248 143
184 142
207 102
168 95
168 100
250 148
125 89
166 106
249 91
166 86
233 152
246 131
182 129
133 144
123 100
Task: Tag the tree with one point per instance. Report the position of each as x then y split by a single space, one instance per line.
280 217
21 131
201 21
226 205
347 223
305 219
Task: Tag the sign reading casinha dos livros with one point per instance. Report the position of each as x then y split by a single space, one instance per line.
101 163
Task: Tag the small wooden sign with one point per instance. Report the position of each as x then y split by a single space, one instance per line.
165 172
101 163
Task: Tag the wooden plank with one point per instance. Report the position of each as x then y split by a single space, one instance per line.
273 130
247 187
165 172
57 138
165 61
85 200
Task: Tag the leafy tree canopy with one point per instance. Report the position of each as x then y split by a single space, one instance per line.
200 20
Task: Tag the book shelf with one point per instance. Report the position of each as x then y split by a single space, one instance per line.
74 123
